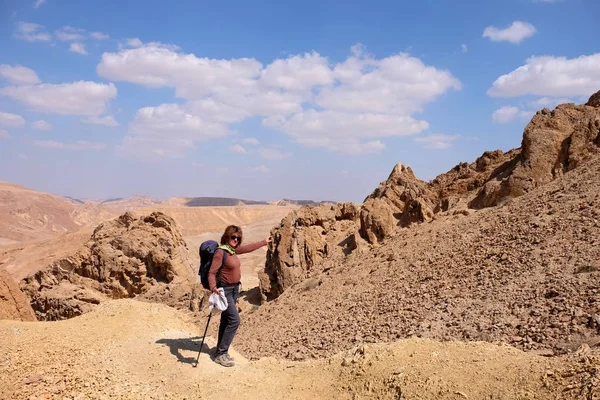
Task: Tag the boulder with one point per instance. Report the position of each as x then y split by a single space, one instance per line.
126 257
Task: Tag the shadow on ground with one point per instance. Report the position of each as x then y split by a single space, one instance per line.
252 296
188 344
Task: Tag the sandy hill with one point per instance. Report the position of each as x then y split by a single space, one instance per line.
26 214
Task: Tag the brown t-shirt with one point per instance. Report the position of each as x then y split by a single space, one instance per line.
231 272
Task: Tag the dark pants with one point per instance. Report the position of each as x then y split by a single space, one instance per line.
230 320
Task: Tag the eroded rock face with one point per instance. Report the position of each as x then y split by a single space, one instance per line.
399 201
304 238
125 257
594 100
13 303
554 142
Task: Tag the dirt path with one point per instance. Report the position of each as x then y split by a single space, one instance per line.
133 350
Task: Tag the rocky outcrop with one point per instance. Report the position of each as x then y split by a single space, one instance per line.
13 303
594 100
399 201
554 142
127 257
304 238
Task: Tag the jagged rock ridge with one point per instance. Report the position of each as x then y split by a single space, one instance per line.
554 142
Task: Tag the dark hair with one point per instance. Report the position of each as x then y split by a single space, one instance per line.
229 232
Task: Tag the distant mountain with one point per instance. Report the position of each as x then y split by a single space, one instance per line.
112 200
130 203
289 202
227 201
74 200
219 201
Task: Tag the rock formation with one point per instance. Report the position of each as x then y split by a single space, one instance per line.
127 257
554 142
399 201
304 238
13 303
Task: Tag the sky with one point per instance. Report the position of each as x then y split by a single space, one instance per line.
264 100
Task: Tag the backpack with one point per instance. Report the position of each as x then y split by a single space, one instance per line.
207 251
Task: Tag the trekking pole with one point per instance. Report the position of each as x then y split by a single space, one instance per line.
203 336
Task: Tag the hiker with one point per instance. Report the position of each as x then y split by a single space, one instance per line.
228 277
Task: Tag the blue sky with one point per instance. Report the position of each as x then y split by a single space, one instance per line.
264 100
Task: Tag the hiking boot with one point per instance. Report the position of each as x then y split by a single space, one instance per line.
224 360
229 357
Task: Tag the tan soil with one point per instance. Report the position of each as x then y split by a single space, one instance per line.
133 350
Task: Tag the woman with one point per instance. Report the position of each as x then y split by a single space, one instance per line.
228 277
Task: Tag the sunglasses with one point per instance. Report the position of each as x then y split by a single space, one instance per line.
233 237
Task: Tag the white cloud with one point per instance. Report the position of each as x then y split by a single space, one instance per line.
464 48
4 134
154 65
77 47
41 125
18 74
99 35
515 33
551 76
11 120
169 129
78 145
342 131
173 117
273 154
236 148
134 42
550 102
343 107
252 141
38 3
437 141
70 34
507 114
31 32
504 115
526 114
261 168
298 73
107 120
77 98
399 84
